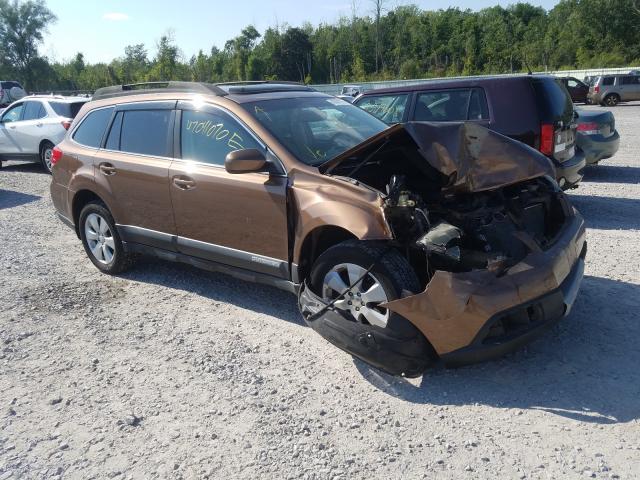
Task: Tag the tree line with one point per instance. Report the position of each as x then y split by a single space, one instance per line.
373 43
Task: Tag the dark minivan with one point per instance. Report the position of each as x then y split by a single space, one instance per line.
534 109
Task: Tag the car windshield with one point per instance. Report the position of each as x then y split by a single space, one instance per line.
315 129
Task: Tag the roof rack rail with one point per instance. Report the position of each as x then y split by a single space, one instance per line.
154 87
263 86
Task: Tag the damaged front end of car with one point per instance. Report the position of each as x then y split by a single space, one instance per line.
496 245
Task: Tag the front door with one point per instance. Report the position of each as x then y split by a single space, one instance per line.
9 123
234 219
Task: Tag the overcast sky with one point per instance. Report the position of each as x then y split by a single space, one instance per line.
101 29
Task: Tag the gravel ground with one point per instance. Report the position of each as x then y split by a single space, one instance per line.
171 372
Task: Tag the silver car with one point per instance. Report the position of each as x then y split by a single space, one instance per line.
32 126
610 90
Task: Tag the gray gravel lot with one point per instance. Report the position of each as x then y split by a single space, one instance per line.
171 372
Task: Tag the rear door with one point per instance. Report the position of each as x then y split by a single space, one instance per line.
133 166
234 219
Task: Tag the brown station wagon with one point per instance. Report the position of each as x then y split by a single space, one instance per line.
404 244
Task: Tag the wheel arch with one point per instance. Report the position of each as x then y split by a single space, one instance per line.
316 242
80 199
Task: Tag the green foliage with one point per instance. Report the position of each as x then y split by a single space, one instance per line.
403 42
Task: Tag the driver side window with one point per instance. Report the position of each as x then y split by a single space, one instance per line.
208 137
13 114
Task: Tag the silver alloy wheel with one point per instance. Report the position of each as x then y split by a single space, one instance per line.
48 153
363 299
611 100
99 238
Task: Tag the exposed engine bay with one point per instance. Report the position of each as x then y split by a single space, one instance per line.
436 217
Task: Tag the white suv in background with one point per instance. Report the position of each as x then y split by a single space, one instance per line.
32 126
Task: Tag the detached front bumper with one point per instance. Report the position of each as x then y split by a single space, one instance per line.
474 316
598 147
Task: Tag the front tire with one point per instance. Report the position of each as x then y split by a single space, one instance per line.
46 151
101 240
390 278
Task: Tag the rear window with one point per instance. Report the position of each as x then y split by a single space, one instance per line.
553 100
146 132
607 81
66 110
91 130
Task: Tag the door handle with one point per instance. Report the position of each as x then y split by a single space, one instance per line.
107 169
39 124
184 183
12 127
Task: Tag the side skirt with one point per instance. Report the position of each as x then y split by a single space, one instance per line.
236 272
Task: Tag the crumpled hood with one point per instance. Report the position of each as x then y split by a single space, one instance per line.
472 157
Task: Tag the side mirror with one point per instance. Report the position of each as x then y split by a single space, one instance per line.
245 161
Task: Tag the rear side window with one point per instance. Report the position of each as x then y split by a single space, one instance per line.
208 137
631 80
113 140
451 106
33 111
146 132
607 81
388 108
91 130
66 110
553 100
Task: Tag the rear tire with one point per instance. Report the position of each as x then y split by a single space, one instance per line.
611 100
101 240
46 151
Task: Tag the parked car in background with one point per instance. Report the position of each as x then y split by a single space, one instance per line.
577 89
351 90
534 109
597 135
31 127
610 90
10 91
382 241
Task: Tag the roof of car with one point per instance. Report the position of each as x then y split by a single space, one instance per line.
234 89
454 82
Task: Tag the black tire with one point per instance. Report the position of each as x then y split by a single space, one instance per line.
121 260
45 155
397 278
611 100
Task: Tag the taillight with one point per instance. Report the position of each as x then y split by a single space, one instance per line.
66 124
589 128
546 138
56 154
596 89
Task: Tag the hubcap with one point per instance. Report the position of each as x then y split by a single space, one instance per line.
99 238
362 301
47 158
